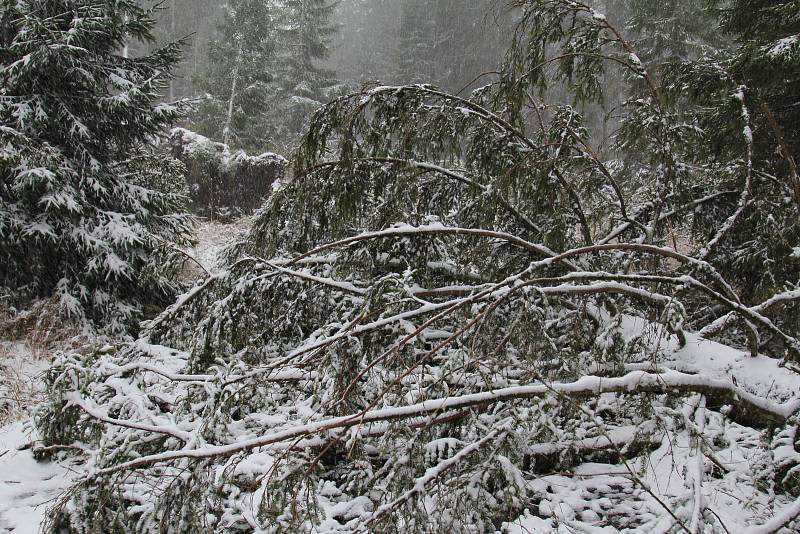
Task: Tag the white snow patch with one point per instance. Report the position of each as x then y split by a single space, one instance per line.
213 238
27 487
20 385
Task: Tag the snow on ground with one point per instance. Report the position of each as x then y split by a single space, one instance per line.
27 486
213 237
20 368
761 375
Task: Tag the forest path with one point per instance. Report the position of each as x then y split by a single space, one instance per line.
213 237
28 487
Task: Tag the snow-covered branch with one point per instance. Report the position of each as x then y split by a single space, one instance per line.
721 391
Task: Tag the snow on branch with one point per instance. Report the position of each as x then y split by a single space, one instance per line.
721 391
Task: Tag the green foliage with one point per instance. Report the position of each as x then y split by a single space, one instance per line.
743 105
85 204
263 80
240 76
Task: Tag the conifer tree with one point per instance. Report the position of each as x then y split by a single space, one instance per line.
194 21
264 78
240 76
732 84
416 42
669 30
85 205
303 43
364 50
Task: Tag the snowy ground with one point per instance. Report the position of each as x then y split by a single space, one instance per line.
20 367
27 486
213 238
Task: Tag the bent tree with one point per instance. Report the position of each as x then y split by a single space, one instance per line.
461 315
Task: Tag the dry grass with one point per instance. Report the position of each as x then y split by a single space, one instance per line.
27 341
20 387
42 327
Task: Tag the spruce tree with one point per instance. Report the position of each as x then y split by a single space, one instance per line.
448 43
416 42
196 22
240 76
365 48
264 77
728 104
302 84
86 208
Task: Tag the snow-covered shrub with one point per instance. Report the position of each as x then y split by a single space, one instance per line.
458 318
224 184
82 213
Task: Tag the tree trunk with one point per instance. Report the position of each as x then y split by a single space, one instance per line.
226 131
172 38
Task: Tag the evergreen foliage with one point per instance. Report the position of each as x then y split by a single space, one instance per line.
304 36
239 77
743 103
194 21
415 48
364 47
458 317
264 79
86 206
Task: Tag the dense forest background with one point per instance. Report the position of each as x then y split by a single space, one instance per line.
452 44
444 42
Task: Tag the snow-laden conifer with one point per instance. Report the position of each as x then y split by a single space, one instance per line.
87 209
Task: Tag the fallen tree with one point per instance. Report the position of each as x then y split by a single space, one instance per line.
224 183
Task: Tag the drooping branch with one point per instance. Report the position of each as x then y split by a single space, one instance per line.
627 225
444 171
407 230
431 475
74 398
745 200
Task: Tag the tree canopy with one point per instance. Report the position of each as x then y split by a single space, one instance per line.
264 77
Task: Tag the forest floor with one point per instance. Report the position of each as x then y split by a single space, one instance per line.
29 486
213 237
26 485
